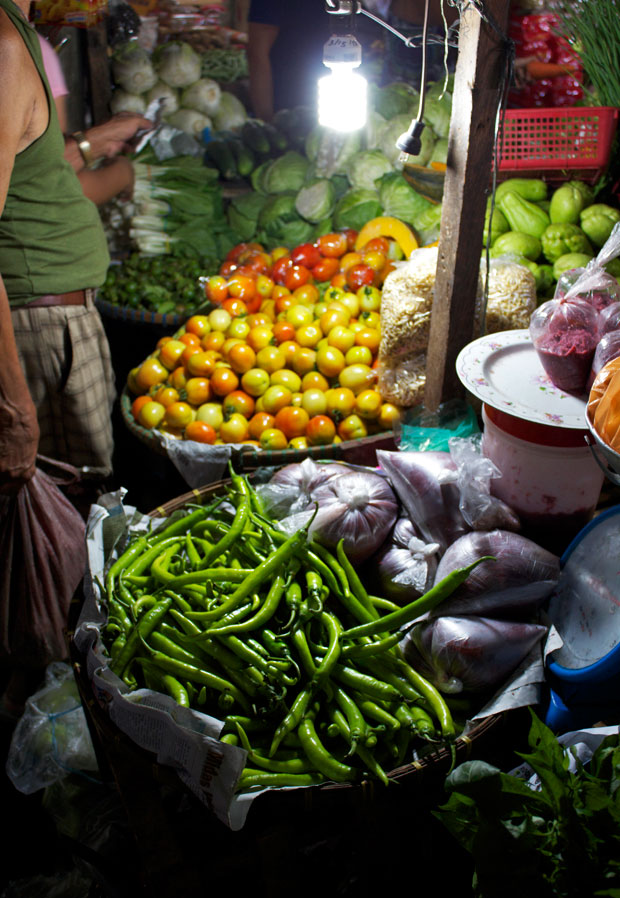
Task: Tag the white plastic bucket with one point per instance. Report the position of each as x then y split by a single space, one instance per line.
550 479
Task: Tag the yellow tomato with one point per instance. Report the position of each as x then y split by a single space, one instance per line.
341 337
151 414
276 397
166 395
298 443
357 377
309 335
270 359
389 414
314 401
179 414
234 429
211 413
314 380
332 318
197 390
150 372
287 378
329 361
304 360
255 382
340 402
259 337
238 328
171 352
368 404
358 355
351 303
299 315
368 337
220 319
352 428
273 439
289 348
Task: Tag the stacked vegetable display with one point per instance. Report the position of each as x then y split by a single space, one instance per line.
276 636
549 233
285 354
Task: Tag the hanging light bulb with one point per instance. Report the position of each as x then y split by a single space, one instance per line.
343 93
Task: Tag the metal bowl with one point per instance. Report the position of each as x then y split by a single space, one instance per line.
612 458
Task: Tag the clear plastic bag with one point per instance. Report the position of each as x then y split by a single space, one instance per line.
290 489
469 654
404 568
608 348
565 333
481 510
593 284
609 319
51 738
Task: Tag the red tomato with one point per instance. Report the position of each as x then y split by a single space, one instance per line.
325 269
296 276
377 244
280 269
351 236
238 401
259 422
292 421
332 245
360 276
306 254
227 269
283 330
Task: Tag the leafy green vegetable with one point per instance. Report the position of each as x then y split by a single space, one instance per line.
316 200
132 68
437 114
562 840
428 224
399 199
392 131
230 113
177 63
367 167
243 213
356 207
286 173
394 99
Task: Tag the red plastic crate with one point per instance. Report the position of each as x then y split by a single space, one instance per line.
559 143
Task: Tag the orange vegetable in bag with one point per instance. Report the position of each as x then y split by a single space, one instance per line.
604 404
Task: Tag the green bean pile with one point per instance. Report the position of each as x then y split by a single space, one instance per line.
276 636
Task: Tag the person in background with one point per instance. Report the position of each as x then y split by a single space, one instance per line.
285 53
114 175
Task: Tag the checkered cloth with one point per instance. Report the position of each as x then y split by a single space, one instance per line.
66 359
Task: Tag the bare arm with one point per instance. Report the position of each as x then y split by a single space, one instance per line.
22 118
113 178
108 139
261 39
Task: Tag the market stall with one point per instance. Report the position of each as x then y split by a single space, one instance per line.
353 598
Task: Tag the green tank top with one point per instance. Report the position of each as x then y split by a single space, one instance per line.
51 236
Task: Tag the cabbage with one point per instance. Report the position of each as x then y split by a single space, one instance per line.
122 101
437 114
277 211
169 97
440 151
392 131
356 207
399 199
286 173
428 224
335 152
243 213
230 113
177 64
189 120
395 99
203 96
132 68
374 124
313 142
316 200
367 168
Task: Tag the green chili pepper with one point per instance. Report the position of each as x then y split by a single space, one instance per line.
432 696
320 758
251 777
355 718
165 683
178 527
236 528
262 616
275 765
376 712
293 718
359 652
410 612
135 548
333 630
140 632
357 587
366 684
197 675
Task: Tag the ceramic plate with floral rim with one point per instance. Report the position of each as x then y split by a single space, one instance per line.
503 370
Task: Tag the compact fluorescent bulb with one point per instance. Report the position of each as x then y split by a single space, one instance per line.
342 93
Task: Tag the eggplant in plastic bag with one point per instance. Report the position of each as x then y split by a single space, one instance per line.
404 568
426 484
469 654
290 489
522 577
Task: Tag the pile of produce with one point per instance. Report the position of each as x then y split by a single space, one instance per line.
165 284
549 233
274 633
284 355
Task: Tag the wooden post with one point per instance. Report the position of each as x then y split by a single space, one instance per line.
477 84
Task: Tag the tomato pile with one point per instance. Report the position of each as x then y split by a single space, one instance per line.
285 358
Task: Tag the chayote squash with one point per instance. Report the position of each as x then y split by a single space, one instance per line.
566 205
533 189
524 216
518 244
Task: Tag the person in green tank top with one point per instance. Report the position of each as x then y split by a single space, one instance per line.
53 254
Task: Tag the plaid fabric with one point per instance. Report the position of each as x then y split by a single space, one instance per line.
66 359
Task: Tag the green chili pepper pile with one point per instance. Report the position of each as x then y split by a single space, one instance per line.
278 637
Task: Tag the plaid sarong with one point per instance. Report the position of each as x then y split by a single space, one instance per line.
66 359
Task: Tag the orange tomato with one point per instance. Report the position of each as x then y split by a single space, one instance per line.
349 260
389 414
368 337
292 421
241 357
178 378
320 431
333 318
201 364
238 401
166 395
306 294
137 404
340 402
259 422
179 414
224 381
304 360
197 390
162 341
283 330
241 286
150 372
213 341
314 380
332 245
290 349
235 307
198 325
259 337
190 339
216 288
200 432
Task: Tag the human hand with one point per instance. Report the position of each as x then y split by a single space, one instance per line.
19 442
114 136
